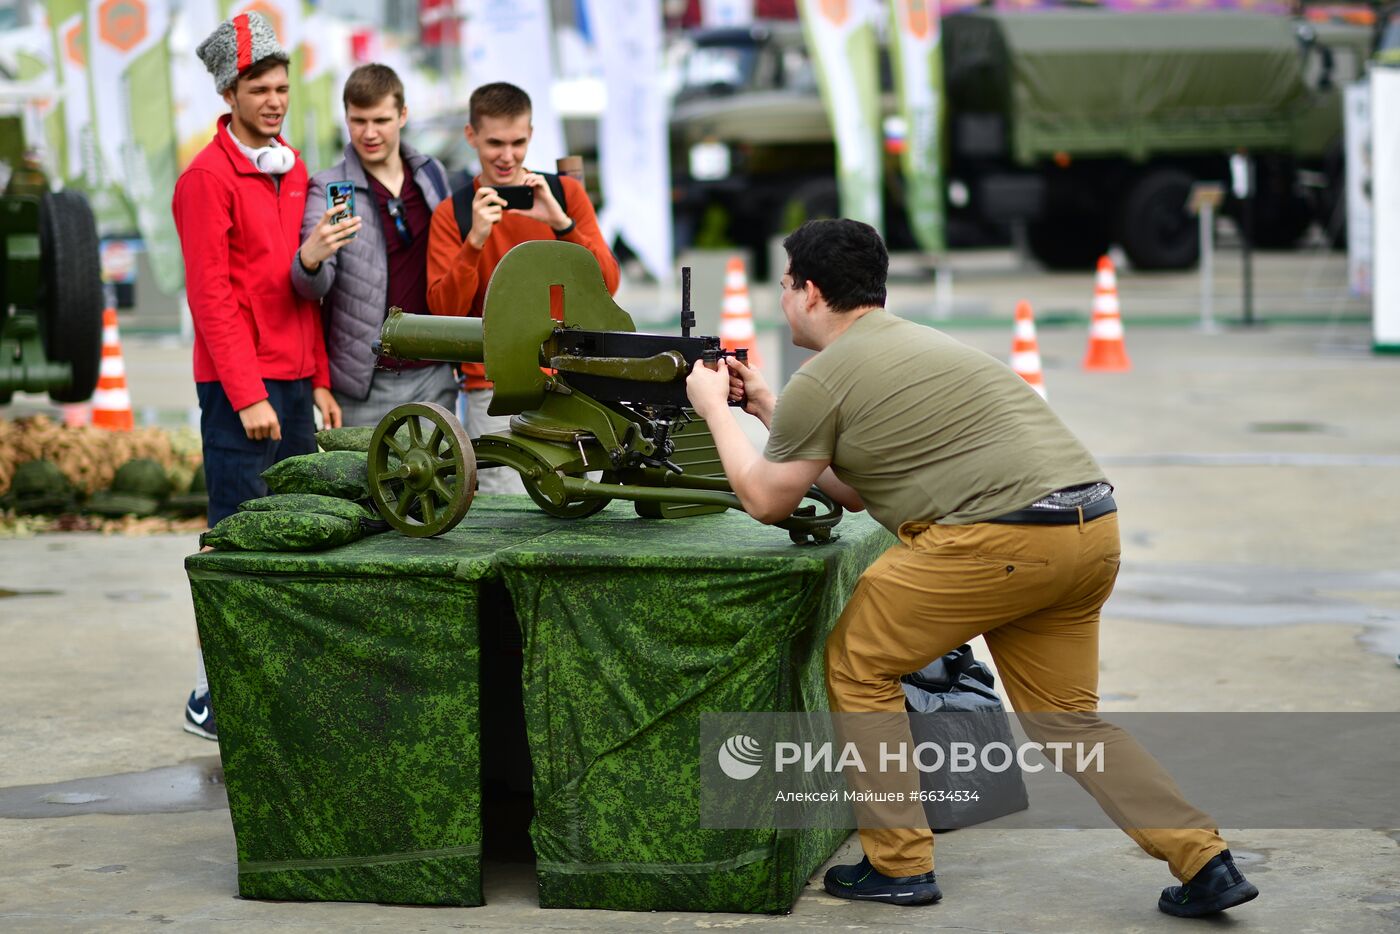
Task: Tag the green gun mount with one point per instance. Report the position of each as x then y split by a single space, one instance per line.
50 297
608 419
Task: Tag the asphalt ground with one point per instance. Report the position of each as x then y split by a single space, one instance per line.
1258 476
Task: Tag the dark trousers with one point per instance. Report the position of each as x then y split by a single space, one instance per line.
233 464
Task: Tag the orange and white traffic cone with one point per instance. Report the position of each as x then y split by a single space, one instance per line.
1106 352
736 316
1025 350
111 403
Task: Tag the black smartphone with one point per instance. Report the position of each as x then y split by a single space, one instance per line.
341 195
518 197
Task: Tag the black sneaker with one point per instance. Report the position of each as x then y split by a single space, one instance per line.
1218 885
863 882
199 717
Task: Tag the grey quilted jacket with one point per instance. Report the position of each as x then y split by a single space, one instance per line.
352 286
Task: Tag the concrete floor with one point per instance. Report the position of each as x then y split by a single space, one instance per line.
1258 473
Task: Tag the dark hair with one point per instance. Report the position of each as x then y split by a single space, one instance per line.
497 100
370 84
845 258
261 67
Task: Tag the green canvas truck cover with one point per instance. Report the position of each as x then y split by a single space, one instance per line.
1101 83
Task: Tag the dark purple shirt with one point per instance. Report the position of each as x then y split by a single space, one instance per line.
408 263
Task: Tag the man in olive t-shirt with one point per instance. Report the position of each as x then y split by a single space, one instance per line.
1006 529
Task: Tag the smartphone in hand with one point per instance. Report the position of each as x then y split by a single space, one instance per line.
341 195
517 197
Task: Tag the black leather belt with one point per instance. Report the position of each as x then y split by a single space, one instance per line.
1058 516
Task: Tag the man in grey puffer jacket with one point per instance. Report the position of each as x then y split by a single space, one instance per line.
385 264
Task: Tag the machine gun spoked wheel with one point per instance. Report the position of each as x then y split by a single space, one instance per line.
422 469
588 397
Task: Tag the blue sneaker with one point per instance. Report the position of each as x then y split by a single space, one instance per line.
1217 886
199 717
863 882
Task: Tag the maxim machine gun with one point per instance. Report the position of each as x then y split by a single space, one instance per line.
608 419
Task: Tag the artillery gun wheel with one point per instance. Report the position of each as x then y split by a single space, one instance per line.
72 291
422 469
580 508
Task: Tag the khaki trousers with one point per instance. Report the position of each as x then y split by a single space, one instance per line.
1034 592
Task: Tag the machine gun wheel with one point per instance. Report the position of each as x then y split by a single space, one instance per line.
422 469
560 504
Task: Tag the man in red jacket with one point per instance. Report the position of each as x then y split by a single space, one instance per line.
259 356
473 230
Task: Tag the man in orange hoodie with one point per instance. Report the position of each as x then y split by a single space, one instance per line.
473 229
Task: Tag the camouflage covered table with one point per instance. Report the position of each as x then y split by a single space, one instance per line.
630 634
346 684
348 690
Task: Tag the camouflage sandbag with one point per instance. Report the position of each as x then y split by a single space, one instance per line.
38 486
114 504
307 502
142 476
281 531
342 474
354 439
194 502
345 439
186 504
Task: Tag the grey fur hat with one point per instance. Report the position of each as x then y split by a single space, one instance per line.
237 45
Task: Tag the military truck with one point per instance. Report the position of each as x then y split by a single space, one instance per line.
1078 128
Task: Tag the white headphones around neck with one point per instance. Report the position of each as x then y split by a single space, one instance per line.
274 159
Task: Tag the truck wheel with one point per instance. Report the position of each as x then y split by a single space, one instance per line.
1281 213
1069 242
71 298
1158 229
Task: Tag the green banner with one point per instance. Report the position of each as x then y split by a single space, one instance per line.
917 52
151 169
67 21
842 44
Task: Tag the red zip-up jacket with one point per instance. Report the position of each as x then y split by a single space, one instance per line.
238 232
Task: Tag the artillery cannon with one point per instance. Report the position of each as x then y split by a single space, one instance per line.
51 306
607 418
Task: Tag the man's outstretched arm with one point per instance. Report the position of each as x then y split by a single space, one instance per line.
769 491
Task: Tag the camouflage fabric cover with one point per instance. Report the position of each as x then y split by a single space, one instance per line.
344 474
307 502
631 634
351 678
347 685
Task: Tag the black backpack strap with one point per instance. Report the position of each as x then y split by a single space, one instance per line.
556 188
462 202
462 209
